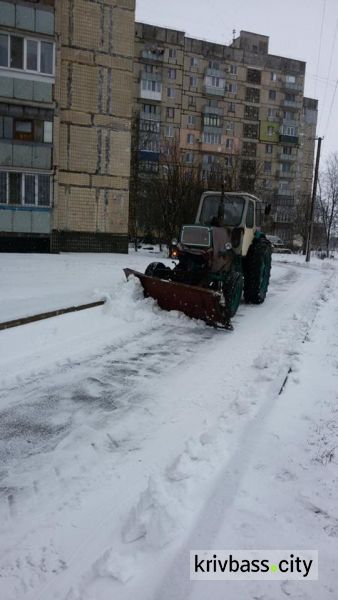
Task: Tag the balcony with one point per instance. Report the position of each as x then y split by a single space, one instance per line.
290 123
150 90
215 73
148 155
287 157
210 110
213 90
285 174
292 104
289 139
144 116
296 87
285 192
153 54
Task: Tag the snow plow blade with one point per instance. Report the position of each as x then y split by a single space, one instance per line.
195 302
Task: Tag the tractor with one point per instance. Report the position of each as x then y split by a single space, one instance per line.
219 258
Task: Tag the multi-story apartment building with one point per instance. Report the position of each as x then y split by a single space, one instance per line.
27 77
65 119
236 106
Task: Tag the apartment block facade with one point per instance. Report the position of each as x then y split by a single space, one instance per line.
226 105
65 119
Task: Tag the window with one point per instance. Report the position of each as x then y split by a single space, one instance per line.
148 166
170 112
288 130
250 215
43 190
273 114
23 130
215 82
170 92
290 79
287 150
193 81
267 166
194 61
48 132
32 55
28 54
211 120
270 131
252 95
189 157
250 131
6 128
3 50
272 94
213 64
232 88
290 97
3 187
25 188
229 127
233 69
268 148
172 52
211 138
171 73
16 52
150 109
191 101
253 76
273 76
229 143
169 131
152 126
191 120
249 149
46 58
149 69
14 188
190 138
251 112
151 86
285 167
231 107
29 197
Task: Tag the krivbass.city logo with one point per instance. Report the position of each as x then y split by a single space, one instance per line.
248 565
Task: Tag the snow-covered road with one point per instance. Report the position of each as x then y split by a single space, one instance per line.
130 436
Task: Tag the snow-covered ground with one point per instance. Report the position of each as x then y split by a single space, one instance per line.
130 436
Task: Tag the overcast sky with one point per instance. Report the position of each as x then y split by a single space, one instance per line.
302 29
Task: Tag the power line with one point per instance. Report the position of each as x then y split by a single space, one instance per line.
331 107
320 41
329 70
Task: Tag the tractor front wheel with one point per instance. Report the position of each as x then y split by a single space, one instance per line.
232 292
257 268
158 270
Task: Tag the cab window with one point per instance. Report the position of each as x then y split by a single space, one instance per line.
250 215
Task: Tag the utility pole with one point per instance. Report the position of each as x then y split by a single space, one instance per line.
313 200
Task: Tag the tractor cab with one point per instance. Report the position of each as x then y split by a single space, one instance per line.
236 212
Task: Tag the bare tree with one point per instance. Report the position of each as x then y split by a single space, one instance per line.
328 199
173 193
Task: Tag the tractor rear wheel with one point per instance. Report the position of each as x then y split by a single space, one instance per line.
232 292
257 268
